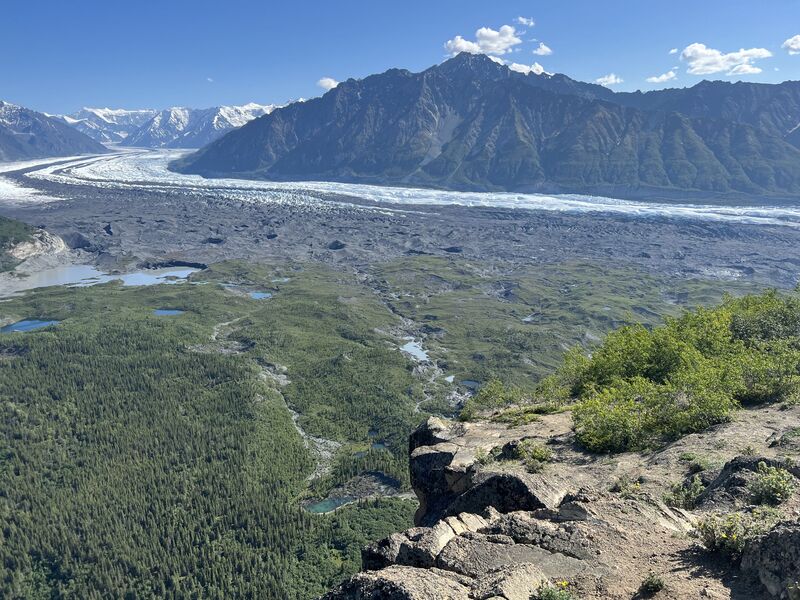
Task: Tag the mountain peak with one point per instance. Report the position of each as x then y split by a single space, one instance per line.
475 65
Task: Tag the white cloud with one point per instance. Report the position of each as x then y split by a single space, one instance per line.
209 80
703 60
327 83
792 45
668 76
673 51
543 50
609 80
526 21
535 68
487 41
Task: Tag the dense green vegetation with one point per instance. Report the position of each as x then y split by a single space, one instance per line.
141 461
640 387
11 232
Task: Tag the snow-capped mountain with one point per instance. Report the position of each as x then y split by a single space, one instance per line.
108 125
25 134
192 127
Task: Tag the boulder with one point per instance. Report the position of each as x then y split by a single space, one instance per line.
401 583
416 547
774 559
477 554
565 538
730 488
507 492
513 582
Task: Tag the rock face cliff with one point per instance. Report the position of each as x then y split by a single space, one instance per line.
588 526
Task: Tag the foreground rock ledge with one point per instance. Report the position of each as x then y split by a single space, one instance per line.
495 531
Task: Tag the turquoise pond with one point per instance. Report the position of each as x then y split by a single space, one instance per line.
27 325
260 295
167 312
329 504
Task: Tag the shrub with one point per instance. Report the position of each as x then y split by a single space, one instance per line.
652 584
482 457
772 485
769 372
730 534
492 395
684 495
697 464
626 487
640 388
555 593
614 419
533 455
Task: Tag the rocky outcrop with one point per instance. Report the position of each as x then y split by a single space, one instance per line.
595 525
448 479
489 529
41 243
775 560
730 487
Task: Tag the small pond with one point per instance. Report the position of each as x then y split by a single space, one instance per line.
373 446
27 325
471 384
260 295
329 504
86 275
415 350
167 312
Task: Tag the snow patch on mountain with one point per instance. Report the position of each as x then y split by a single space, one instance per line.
181 127
108 125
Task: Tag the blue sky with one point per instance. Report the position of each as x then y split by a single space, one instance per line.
61 55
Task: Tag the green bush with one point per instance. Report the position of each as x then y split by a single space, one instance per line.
652 584
533 455
730 534
554 593
772 485
626 487
640 387
697 464
684 495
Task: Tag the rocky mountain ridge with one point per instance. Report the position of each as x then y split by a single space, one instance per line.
181 127
108 125
472 124
27 134
589 526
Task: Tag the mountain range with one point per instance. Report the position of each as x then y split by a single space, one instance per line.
473 124
108 125
193 127
27 134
